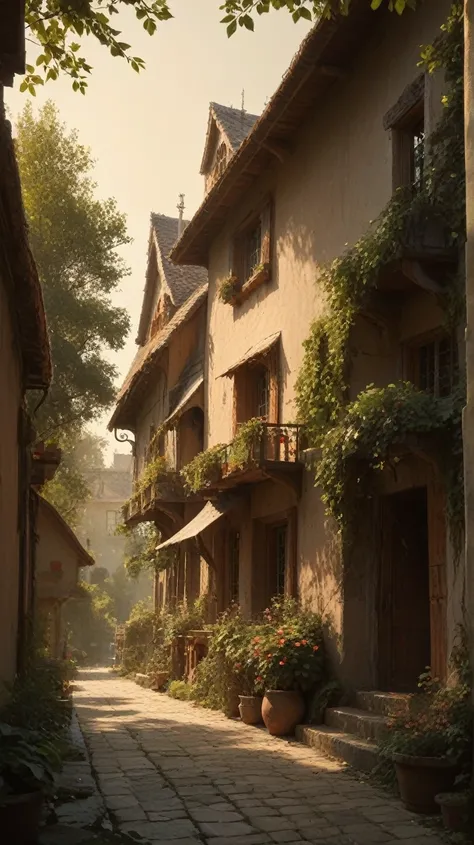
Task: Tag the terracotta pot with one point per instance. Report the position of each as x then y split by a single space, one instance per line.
420 779
250 709
454 810
282 710
20 817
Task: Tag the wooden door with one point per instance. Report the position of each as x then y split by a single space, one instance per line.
404 605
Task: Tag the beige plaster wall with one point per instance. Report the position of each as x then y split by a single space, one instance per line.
11 399
336 179
107 549
53 545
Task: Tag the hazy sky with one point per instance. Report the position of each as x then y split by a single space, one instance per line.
147 130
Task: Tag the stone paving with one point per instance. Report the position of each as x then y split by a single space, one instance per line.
178 774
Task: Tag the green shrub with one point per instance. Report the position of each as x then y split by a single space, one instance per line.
180 690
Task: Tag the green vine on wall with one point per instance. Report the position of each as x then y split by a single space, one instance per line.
342 430
203 469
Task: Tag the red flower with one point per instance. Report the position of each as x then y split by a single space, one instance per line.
297 645
282 662
256 639
304 642
281 642
281 631
315 648
259 678
238 665
269 656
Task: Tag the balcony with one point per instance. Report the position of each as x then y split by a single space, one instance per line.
163 495
272 453
426 254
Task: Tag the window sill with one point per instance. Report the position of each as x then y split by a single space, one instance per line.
260 277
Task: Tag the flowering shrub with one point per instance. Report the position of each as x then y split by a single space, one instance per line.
439 726
288 648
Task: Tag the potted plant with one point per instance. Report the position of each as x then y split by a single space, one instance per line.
455 809
26 775
430 745
289 651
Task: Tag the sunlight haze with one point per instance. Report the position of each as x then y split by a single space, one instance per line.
147 130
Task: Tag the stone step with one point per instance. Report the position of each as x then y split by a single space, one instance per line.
359 753
360 723
384 703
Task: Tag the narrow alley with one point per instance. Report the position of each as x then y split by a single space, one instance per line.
174 773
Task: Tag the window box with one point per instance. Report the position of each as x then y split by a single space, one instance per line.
260 276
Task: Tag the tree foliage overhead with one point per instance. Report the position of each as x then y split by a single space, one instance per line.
57 27
68 490
75 239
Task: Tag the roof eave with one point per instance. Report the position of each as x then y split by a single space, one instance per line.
193 245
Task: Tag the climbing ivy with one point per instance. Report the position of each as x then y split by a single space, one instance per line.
381 417
203 468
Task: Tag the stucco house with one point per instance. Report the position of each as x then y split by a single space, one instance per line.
25 365
110 488
59 559
334 144
161 401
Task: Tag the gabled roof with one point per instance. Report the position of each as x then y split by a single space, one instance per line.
235 125
324 58
147 356
179 282
61 526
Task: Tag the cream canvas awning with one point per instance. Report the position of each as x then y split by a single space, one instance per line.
210 513
181 406
259 348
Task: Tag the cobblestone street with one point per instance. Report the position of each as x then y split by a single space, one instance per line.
176 773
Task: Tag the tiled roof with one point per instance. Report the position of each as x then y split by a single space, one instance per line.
181 281
146 355
236 123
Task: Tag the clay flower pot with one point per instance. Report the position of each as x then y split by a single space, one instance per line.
282 710
420 779
455 810
250 709
20 817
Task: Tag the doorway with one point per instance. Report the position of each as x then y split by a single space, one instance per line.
404 591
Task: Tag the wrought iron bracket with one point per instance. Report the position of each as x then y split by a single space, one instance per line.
124 438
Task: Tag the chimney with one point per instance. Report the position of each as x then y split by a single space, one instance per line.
180 208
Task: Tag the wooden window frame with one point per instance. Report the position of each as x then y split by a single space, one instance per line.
411 363
244 408
246 283
402 120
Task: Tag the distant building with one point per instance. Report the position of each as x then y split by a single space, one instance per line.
110 489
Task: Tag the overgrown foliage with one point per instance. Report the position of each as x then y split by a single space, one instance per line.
69 490
58 29
241 12
203 469
439 722
283 649
228 289
365 429
141 554
90 623
76 239
245 442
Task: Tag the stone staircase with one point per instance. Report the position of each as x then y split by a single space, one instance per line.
351 733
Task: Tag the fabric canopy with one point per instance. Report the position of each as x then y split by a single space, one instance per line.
181 406
259 349
210 513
